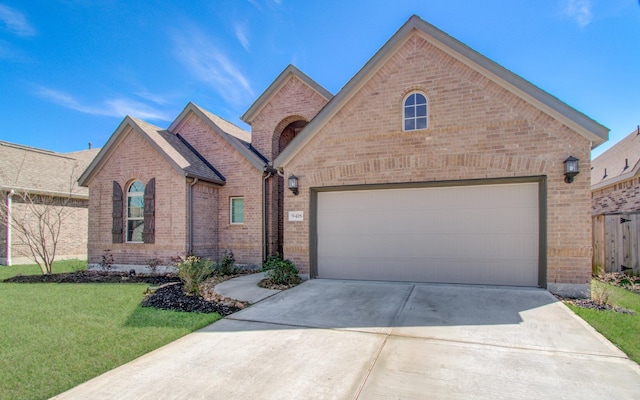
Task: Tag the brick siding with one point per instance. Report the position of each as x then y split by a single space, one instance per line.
477 129
619 198
133 159
293 101
72 241
242 180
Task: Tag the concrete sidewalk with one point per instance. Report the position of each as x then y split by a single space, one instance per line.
245 288
375 340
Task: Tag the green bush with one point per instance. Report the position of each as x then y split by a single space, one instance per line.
281 272
271 262
226 265
193 271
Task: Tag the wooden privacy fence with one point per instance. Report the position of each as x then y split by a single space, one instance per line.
616 240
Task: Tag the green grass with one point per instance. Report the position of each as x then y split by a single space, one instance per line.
621 329
56 336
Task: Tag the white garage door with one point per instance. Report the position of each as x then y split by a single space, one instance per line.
484 234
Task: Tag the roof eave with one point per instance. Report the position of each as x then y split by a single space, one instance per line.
41 192
579 122
115 138
204 179
620 178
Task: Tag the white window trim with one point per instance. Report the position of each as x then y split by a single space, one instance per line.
127 218
231 199
403 111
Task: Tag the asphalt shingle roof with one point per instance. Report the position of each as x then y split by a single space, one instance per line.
625 153
24 168
180 152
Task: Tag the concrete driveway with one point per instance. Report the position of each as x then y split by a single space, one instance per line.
329 339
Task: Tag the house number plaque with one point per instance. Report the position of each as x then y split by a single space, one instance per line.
296 216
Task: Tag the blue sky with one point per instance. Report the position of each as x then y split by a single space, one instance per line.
70 70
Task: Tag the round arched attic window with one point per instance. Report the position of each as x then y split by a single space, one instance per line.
415 112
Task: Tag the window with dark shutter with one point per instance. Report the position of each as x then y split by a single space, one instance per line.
150 211
116 231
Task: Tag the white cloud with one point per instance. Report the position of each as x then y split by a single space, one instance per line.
210 65
116 107
241 34
15 22
152 97
579 10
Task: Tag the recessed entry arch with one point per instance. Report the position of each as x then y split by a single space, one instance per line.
285 132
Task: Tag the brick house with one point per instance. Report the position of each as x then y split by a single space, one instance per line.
432 164
615 206
615 178
32 179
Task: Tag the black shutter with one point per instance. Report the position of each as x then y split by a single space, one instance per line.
116 231
150 211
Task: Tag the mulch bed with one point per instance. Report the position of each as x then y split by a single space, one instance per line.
95 277
168 296
172 297
585 303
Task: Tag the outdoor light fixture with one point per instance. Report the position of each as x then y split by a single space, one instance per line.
293 184
570 169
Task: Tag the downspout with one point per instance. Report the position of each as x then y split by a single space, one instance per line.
268 173
8 225
190 206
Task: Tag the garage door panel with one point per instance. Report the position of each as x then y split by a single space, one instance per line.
474 234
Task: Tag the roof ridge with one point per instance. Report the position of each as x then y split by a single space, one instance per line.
35 150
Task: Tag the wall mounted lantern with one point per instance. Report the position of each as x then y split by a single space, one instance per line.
293 184
570 169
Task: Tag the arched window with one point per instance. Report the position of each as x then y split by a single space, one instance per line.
135 212
415 114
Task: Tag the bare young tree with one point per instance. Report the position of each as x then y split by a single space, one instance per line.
36 218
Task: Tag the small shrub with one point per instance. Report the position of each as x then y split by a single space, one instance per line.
600 295
152 264
281 272
106 263
192 271
226 265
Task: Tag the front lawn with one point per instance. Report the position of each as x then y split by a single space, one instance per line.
56 336
620 328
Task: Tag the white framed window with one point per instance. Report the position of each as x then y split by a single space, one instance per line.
415 112
135 212
237 210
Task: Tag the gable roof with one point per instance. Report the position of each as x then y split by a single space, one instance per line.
173 149
533 95
38 171
237 137
620 162
265 97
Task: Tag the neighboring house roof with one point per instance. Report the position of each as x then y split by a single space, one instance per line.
173 148
237 137
587 127
265 97
38 171
620 162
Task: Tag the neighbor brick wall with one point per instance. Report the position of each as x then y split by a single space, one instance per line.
477 129
619 198
134 159
72 240
242 180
